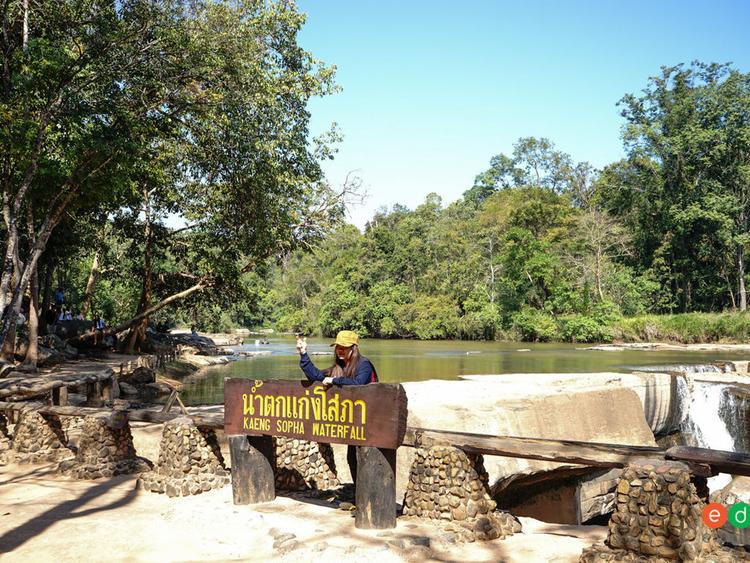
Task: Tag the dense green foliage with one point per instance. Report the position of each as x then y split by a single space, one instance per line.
543 248
684 190
115 116
510 266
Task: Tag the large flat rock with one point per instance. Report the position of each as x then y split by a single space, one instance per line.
590 407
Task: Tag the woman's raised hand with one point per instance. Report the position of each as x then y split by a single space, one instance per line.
301 345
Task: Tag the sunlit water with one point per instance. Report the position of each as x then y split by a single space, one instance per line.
704 422
408 360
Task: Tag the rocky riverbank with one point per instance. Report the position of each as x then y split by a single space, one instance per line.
615 408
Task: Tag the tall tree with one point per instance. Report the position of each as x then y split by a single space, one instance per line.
686 178
103 88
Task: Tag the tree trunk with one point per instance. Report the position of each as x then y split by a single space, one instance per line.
10 248
741 277
8 350
598 275
138 332
201 285
52 217
90 285
32 350
47 293
25 24
731 291
40 243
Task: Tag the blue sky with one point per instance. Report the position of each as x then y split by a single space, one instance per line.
432 89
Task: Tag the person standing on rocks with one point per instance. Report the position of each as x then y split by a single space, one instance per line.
349 368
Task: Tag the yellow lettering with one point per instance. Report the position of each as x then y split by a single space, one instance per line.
256 424
290 427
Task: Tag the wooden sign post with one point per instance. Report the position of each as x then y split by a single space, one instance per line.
372 417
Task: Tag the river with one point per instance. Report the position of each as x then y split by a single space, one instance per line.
410 360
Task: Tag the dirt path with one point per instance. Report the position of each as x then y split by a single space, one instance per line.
45 517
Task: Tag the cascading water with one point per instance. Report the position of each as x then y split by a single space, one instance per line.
704 423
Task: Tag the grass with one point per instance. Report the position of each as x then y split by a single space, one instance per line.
688 328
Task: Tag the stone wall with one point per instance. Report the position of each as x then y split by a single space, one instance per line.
37 438
658 516
302 465
447 484
190 461
105 449
5 441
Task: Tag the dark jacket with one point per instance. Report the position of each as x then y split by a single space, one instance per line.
365 372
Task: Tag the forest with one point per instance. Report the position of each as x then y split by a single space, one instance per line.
158 170
545 248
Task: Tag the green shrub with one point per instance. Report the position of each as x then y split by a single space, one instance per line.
582 328
535 325
686 328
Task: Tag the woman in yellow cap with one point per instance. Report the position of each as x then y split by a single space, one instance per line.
349 367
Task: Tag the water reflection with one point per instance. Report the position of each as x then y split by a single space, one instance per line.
407 360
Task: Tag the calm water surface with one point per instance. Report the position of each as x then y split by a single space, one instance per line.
408 360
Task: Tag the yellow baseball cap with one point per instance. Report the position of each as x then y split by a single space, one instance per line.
346 338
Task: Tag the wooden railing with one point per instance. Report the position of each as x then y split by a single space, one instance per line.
702 461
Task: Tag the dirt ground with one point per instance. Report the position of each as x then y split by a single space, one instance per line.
46 517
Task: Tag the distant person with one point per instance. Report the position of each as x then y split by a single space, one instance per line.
100 324
61 316
349 368
49 319
79 316
193 331
59 296
68 316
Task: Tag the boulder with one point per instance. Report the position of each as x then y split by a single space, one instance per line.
734 410
140 376
56 343
73 328
737 490
584 407
127 389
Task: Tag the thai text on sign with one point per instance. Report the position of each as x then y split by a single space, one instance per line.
366 415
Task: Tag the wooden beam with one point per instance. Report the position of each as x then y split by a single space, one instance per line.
206 421
26 390
560 451
60 396
203 420
734 463
253 461
375 490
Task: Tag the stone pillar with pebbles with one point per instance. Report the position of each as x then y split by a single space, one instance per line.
302 465
190 461
447 484
5 441
658 516
105 449
37 438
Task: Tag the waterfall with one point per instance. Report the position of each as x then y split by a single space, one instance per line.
706 426
687 368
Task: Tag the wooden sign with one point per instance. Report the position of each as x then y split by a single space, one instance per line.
361 415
